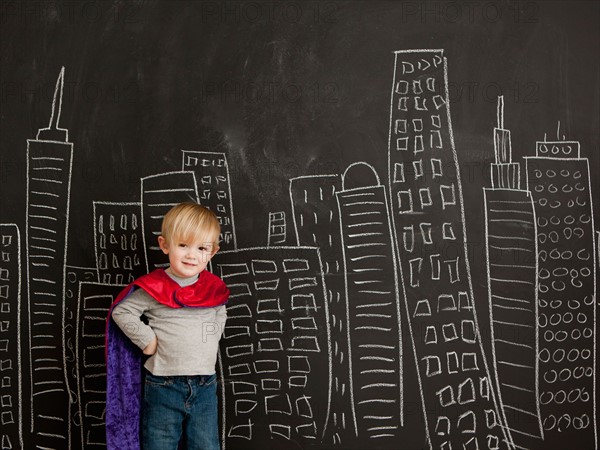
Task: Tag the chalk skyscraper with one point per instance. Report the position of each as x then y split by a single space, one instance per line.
49 163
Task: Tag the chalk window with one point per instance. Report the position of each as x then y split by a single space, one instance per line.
405 201
435 139
466 422
402 87
398 173
469 361
436 121
304 301
435 266
278 404
490 418
442 427
266 365
400 126
420 104
422 308
268 326
4 274
305 344
415 270
430 335
407 67
191 161
304 323
269 345
425 197
432 365
453 270
436 167
298 381
303 407
446 302
438 101
268 305
449 331
408 236
484 388
4 291
239 369
430 84
402 144
417 124
426 233
298 364
418 168
446 396
416 87
267 285
6 240
468 331
448 195
418 144
263 266
464 301
447 231
452 361
466 392
271 384
402 103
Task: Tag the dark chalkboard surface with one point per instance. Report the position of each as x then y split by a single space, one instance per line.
408 199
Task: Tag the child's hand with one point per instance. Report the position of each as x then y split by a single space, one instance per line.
151 347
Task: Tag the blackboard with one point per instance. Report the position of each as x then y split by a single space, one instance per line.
408 199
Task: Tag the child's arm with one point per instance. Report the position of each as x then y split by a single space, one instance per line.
127 315
221 318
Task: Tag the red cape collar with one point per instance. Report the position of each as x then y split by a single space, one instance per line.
207 292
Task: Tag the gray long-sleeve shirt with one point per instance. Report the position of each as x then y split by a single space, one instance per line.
188 338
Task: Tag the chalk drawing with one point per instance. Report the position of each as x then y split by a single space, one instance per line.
420 131
49 167
11 403
559 181
275 351
511 260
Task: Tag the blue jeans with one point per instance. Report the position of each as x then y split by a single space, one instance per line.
180 408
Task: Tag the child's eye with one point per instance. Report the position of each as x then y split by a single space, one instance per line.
182 245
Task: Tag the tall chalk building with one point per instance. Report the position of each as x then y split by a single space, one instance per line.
559 181
316 221
214 190
512 289
11 435
428 219
372 302
274 352
49 163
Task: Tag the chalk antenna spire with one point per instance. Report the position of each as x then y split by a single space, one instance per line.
58 94
53 132
500 112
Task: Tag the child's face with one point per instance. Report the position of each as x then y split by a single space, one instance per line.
189 257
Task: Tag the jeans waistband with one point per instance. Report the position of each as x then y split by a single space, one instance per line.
183 377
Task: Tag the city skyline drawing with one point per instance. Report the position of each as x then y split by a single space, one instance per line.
364 285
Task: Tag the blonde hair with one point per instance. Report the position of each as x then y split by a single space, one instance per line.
191 221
